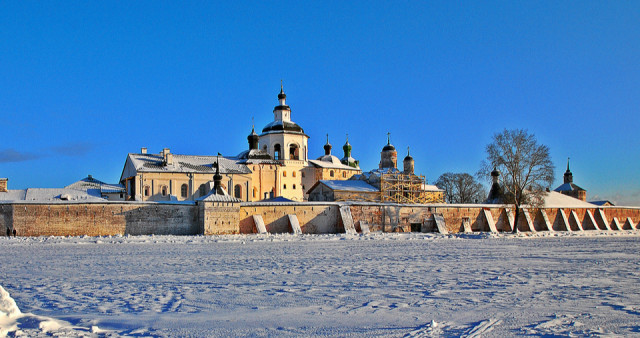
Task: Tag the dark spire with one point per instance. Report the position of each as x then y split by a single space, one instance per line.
217 178
253 139
568 176
496 195
282 95
495 172
389 146
327 147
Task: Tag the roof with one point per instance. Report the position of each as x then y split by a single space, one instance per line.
555 200
279 126
181 164
51 195
601 203
568 187
349 185
255 156
219 196
333 164
278 199
90 183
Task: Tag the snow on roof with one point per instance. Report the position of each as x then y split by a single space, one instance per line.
186 164
567 187
430 187
555 199
51 195
13 195
90 183
330 165
349 185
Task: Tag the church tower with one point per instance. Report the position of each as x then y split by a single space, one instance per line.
388 155
286 142
283 139
408 163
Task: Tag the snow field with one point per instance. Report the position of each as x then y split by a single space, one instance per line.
414 285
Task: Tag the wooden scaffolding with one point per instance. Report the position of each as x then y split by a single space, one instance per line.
407 189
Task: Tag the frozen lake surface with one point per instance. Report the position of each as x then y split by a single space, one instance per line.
378 285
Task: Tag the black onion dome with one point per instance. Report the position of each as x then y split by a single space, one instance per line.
495 172
389 147
408 158
277 126
282 95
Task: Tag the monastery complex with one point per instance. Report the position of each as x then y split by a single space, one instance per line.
273 186
275 165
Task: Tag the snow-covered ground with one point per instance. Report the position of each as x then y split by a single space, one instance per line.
561 284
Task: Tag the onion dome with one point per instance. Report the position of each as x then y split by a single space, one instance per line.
389 146
282 95
253 139
327 147
495 172
347 148
408 157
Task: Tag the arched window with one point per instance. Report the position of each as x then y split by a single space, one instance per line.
331 173
255 192
294 187
293 174
163 190
294 152
284 186
284 174
303 174
147 190
202 190
344 174
237 191
184 190
277 152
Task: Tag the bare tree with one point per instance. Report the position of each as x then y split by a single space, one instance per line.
526 167
461 188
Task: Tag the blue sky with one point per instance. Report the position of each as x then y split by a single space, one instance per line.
84 83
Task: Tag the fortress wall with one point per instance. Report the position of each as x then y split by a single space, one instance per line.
103 219
398 218
313 218
121 218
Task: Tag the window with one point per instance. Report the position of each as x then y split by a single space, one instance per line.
184 190
163 190
331 173
344 174
255 192
294 187
294 152
277 152
284 186
284 174
293 174
303 174
147 190
237 191
202 189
